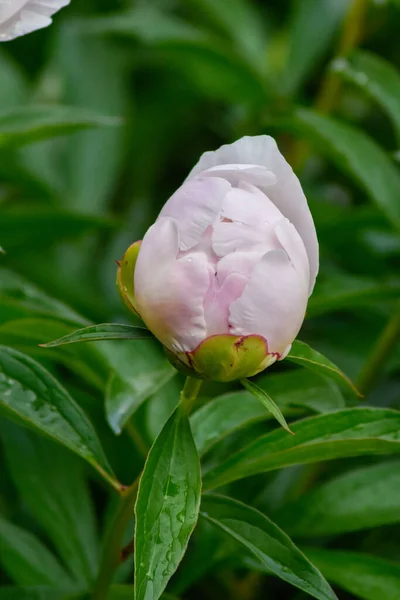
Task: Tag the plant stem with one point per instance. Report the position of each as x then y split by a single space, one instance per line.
331 84
350 38
137 438
112 558
189 393
375 363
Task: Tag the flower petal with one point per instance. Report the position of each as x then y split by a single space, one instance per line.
218 300
287 194
194 206
231 237
237 262
256 174
273 303
292 243
250 206
26 16
169 292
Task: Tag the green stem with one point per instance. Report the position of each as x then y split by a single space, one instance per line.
375 363
137 438
331 84
350 38
189 393
112 556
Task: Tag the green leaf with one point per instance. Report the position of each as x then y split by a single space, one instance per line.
26 228
361 498
266 401
125 395
94 74
344 433
125 592
34 300
14 85
26 335
104 331
356 154
234 410
30 395
30 123
241 22
379 79
26 560
140 370
147 23
116 592
341 292
167 506
51 484
272 547
367 577
303 388
305 356
34 593
313 25
209 64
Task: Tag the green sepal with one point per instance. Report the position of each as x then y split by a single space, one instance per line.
177 362
229 357
125 276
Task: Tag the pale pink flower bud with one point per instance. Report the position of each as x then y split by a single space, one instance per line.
19 17
230 262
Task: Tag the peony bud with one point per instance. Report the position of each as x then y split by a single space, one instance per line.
223 276
18 17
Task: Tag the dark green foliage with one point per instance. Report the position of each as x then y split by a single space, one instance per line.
102 116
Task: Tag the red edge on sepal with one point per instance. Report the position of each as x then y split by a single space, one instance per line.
240 340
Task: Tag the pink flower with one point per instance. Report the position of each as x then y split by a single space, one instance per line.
18 17
223 276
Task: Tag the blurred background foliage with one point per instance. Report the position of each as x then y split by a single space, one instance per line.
101 118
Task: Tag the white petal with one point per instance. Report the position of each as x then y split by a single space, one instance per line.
255 174
231 237
292 243
287 194
9 8
195 206
273 303
169 292
237 262
251 207
218 300
26 16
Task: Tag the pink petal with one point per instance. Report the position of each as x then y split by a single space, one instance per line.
292 243
237 262
256 174
287 194
218 300
232 237
273 303
194 206
250 206
169 291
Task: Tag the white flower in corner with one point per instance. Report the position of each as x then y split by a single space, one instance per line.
19 17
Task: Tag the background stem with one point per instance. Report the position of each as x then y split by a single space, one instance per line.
113 541
326 98
351 36
375 364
